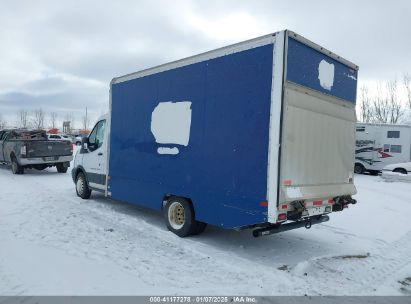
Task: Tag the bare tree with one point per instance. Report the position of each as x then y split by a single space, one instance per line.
38 119
53 118
407 85
381 107
366 111
395 105
23 116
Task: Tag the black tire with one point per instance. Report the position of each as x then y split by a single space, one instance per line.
61 168
359 169
400 170
15 167
82 188
179 216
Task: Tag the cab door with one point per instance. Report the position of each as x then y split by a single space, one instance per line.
94 160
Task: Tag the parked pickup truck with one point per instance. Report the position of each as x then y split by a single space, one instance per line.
32 149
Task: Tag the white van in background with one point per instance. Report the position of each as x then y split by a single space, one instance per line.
59 137
379 145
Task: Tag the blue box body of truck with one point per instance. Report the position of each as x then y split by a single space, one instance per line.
235 132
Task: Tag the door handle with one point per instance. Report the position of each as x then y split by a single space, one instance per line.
101 153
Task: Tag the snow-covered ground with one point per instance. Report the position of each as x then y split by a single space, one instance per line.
54 243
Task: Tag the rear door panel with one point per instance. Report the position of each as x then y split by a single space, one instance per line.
318 144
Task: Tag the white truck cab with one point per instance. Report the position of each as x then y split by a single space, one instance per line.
90 163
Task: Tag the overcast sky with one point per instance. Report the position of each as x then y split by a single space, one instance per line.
61 55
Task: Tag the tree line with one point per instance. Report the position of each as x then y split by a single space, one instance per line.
39 119
385 105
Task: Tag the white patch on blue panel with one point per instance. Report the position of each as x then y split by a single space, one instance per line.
171 124
351 76
326 74
166 150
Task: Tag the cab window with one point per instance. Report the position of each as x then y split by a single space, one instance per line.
96 137
4 136
11 136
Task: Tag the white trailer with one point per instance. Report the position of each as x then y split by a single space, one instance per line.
379 145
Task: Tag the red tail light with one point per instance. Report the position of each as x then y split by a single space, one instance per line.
71 148
317 203
282 216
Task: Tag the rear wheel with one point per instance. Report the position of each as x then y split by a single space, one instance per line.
400 170
82 188
180 219
61 168
15 167
359 169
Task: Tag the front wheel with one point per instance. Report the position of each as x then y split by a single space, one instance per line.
61 168
400 170
82 188
180 219
15 167
359 169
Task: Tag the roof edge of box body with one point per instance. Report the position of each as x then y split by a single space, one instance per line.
233 48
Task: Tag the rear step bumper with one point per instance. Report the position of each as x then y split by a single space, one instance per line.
307 223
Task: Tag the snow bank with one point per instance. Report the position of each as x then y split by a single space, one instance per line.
396 177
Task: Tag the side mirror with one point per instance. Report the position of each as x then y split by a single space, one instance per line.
84 143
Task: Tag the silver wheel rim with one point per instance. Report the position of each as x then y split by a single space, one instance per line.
176 216
80 186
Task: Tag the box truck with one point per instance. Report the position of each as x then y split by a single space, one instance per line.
379 145
259 134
